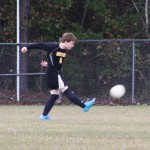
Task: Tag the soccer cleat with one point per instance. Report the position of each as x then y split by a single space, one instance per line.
88 104
42 117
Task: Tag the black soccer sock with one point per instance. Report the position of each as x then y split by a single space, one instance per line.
73 98
49 104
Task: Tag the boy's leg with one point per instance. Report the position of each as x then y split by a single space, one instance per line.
64 88
86 105
73 98
49 104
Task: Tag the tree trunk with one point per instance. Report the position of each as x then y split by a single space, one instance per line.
24 4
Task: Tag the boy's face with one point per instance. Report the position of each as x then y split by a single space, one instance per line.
69 45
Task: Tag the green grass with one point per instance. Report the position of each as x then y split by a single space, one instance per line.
102 128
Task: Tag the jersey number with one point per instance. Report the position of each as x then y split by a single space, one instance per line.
60 60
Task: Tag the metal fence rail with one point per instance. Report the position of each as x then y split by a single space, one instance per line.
91 69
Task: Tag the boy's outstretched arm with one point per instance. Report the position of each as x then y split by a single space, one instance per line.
48 47
42 46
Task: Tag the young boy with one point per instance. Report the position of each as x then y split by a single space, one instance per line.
56 54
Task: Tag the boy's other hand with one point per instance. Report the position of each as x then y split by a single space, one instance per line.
44 63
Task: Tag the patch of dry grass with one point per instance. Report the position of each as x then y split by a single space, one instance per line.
102 128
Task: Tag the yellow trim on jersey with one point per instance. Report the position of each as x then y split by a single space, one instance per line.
60 54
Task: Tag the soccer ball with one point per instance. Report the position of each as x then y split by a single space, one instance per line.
117 91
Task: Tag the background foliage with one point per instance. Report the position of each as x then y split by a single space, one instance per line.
88 19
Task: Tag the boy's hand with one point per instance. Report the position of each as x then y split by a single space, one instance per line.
24 49
44 63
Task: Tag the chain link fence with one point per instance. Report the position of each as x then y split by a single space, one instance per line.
91 69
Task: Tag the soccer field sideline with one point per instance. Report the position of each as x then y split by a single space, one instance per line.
102 128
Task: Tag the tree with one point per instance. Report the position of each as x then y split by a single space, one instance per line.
47 19
7 21
24 5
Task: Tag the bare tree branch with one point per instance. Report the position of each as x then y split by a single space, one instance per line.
138 12
146 17
84 16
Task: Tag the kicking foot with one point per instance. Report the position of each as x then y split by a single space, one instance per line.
42 117
88 104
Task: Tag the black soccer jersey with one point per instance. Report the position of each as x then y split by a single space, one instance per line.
55 56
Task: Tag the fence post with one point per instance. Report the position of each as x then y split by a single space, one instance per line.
18 52
133 71
59 100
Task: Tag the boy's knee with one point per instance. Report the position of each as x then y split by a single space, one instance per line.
54 92
64 89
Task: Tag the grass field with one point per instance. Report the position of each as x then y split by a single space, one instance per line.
102 128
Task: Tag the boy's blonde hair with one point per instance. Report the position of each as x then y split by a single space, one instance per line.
68 36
